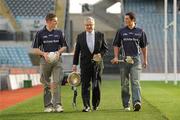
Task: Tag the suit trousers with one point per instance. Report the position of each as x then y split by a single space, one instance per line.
91 74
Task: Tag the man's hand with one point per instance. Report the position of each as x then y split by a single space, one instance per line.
114 60
74 68
97 57
145 64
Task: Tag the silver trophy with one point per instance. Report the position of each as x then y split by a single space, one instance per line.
74 81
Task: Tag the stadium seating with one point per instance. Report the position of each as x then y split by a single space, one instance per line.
31 8
15 57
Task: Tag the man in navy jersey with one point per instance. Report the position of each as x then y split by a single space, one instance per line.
131 40
50 40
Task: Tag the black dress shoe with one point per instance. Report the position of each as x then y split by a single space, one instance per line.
86 109
137 106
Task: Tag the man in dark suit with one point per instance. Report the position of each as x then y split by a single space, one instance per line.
90 44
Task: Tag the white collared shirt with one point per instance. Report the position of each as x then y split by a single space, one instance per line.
90 39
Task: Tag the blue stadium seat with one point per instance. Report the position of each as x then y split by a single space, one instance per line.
14 56
26 8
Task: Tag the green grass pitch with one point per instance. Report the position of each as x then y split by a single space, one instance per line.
160 102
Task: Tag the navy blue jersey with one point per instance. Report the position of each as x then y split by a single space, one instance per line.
49 41
130 40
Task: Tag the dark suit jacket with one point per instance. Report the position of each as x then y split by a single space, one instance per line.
82 49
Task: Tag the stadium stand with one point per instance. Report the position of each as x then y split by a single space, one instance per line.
30 8
29 14
14 57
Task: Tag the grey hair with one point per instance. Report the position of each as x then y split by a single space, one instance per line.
89 19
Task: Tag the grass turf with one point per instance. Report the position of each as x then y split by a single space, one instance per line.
160 102
164 97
